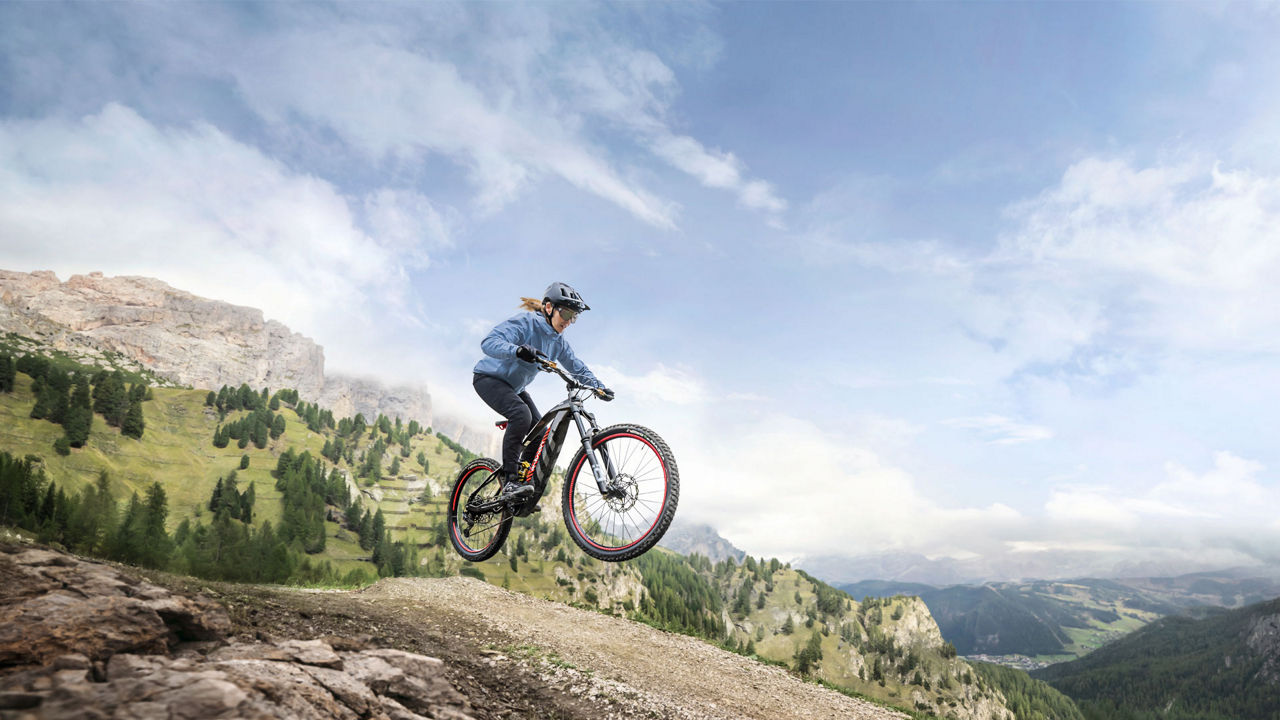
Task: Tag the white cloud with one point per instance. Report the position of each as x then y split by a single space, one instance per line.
660 386
1000 430
209 215
782 486
401 102
1228 507
717 169
1180 256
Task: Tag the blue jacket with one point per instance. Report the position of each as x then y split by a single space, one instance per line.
528 328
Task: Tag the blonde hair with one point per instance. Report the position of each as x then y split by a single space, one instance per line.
530 304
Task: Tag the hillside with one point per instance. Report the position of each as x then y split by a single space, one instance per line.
453 648
1226 665
187 340
889 650
1042 622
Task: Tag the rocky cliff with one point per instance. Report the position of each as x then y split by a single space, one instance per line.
188 339
144 323
688 538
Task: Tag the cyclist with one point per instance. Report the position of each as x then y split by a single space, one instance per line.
509 366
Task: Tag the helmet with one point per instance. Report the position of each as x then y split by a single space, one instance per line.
560 294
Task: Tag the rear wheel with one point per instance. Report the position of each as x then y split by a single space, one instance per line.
477 535
639 501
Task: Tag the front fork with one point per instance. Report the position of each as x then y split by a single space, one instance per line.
603 474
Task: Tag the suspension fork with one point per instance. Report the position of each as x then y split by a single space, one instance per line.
603 474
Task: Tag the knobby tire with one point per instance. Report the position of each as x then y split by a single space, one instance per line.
625 527
477 475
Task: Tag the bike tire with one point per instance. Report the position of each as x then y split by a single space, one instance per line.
477 480
622 528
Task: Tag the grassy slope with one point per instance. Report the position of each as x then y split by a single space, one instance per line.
177 451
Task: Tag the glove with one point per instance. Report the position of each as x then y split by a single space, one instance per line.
527 353
605 394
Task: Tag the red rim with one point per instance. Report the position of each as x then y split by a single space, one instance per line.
661 509
453 513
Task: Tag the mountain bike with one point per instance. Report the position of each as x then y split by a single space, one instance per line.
619 495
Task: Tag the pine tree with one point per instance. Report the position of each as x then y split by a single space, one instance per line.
157 544
79 420
244 462
44 402
134 424
211 399
379 525
277 427
215 498
260 433
366 531
111 398
246 504
8 373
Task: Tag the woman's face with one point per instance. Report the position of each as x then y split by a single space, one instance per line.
558 323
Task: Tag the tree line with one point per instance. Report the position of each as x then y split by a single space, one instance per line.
70 394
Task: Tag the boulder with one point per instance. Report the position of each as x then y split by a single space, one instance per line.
82 639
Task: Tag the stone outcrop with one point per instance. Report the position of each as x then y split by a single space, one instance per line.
916 626
188 339
137 323
688 538
346 396
82 640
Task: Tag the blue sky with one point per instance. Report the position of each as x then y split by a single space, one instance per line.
953 278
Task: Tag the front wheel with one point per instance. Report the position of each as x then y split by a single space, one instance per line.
477 535
639 500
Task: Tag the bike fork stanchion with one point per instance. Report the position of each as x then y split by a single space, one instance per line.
602 479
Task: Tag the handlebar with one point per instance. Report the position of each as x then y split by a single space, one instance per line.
550 366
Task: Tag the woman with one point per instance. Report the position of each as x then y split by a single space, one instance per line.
511 349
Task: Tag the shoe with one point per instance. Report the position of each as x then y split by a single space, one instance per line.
515 490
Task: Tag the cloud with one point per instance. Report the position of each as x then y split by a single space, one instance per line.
1226 507
1000 430
660 386
209 215
1180 258
783 486
717 169
400 102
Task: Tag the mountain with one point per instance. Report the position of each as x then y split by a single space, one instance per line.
188 340
1056 620
689 538
87 639
1225 665
298 512
1006 567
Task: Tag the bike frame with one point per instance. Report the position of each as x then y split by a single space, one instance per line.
541 447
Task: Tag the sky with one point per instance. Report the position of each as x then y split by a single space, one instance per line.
967 280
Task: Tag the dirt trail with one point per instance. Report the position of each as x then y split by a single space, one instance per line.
637 670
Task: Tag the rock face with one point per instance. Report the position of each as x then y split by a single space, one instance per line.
191 340
688 538
84 641
203 343
346 396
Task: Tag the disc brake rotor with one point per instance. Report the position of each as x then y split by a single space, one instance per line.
623 494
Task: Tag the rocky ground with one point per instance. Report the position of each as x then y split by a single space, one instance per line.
89 639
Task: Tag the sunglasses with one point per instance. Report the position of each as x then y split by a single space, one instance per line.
570 315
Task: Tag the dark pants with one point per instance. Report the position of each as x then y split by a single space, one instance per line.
519 410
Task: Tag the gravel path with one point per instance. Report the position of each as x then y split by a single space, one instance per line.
639 670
